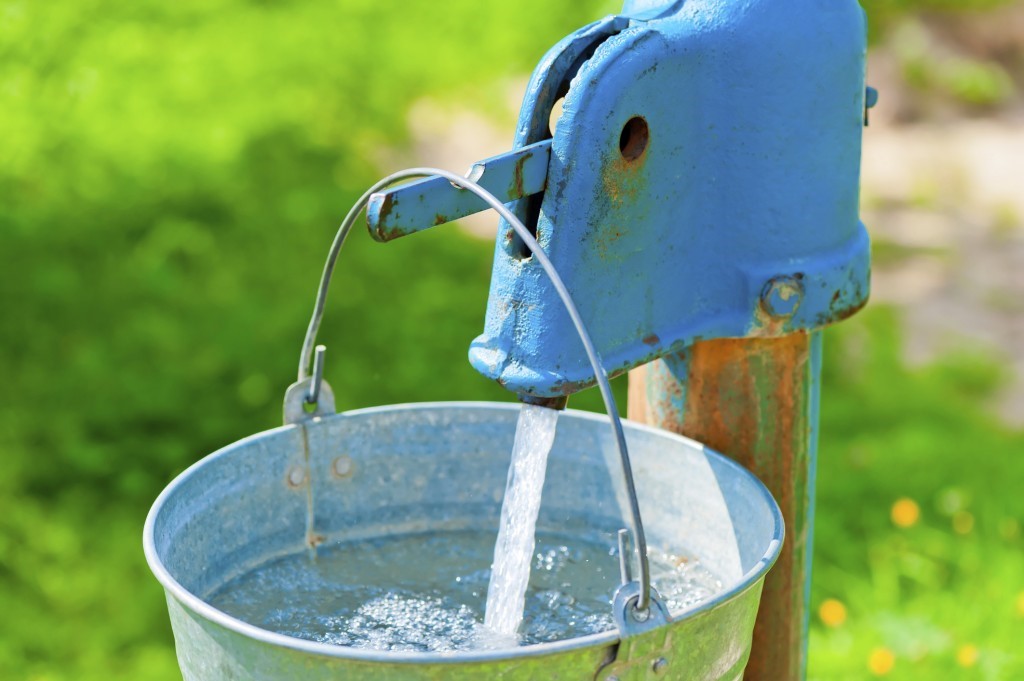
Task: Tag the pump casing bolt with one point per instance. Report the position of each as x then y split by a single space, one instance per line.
781 296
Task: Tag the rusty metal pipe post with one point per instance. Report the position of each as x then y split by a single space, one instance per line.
755 400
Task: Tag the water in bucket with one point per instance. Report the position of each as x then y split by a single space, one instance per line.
429 592
426 592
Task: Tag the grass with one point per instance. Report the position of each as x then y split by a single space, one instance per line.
171 176
919 524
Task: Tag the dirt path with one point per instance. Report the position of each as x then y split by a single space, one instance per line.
945 207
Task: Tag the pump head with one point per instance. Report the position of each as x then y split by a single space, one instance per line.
701 183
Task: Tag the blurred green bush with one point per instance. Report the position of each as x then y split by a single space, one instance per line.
884 14
977 77
171 175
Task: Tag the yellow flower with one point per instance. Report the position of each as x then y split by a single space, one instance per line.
905 513
967 655
832 613
881 661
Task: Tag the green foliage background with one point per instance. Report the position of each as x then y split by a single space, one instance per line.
171 174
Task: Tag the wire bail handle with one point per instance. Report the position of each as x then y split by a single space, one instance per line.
310 396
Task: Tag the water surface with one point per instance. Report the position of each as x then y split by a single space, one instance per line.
427 592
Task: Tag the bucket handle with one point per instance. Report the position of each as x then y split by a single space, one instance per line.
311 396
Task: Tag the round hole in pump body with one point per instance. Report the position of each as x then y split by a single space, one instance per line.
634 138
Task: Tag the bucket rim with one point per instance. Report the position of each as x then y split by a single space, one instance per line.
198 606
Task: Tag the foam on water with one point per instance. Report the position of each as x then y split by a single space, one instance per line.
427 593
510 569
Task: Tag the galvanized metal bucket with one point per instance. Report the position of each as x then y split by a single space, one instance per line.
441 467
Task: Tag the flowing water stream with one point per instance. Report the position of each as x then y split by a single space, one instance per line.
513 550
